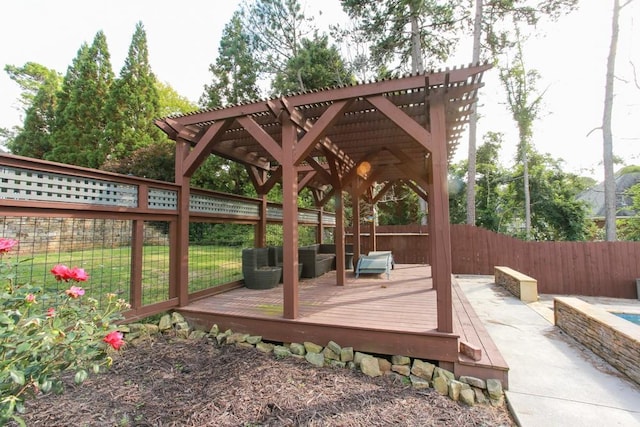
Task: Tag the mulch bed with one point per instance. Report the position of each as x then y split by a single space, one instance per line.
172 382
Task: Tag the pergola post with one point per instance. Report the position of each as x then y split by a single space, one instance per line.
339 239
373 239
181 260
439 215
320 227
289 220
260 239
355 206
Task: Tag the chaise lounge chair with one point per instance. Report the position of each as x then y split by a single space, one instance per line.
376 262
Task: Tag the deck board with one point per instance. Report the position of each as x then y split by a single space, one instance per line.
400 311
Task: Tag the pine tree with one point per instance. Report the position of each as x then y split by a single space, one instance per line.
419 33
133 102
315 66
235 75
235 72
276 29
80 114
40 86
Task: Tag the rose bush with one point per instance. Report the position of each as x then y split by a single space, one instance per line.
43 334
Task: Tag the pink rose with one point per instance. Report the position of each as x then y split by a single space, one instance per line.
7 244
30 298
61 272
114 339
74 292
78 274
51 312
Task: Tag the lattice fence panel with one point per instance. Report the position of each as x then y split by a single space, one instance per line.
22 184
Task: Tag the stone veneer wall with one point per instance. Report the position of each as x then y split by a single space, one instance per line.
518 284
614 339
507 281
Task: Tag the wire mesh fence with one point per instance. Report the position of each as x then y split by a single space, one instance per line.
215 253
102 247
155 262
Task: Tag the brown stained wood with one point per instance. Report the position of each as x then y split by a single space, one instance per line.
421 116
606 269
341 119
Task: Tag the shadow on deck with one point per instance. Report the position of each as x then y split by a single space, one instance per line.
370 314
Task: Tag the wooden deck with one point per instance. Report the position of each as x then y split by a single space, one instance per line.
371 314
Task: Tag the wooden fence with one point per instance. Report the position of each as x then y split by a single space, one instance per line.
569 268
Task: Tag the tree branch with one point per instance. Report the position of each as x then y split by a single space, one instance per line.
635 76
593 130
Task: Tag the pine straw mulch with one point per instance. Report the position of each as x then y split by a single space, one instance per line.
171 382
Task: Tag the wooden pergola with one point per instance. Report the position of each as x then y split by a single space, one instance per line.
336 140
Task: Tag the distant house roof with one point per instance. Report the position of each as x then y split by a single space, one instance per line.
594 196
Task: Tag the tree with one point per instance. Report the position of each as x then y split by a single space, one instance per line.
524 105
473 120
398 206
276 29
30 77
457 192
556 213
487 19
607 134
80 118
630 227
39 88
133 102
171 102
416 32
153 161
316 65
157 160
491 178
235 72
235 76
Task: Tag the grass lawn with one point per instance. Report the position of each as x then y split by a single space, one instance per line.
109 269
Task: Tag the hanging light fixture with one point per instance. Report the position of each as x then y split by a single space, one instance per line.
363 169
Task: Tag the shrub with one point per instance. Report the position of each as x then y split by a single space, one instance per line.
43 335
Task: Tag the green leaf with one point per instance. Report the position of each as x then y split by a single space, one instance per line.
80 376
17 376
23 347
19 420
45 386
5 320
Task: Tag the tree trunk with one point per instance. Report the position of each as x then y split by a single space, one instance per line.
527 192
417 66
607 136
473 120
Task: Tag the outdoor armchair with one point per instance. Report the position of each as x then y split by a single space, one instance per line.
257 272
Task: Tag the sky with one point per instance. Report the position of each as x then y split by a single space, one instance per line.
183 39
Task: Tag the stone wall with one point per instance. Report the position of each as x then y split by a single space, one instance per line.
614 339
39 235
